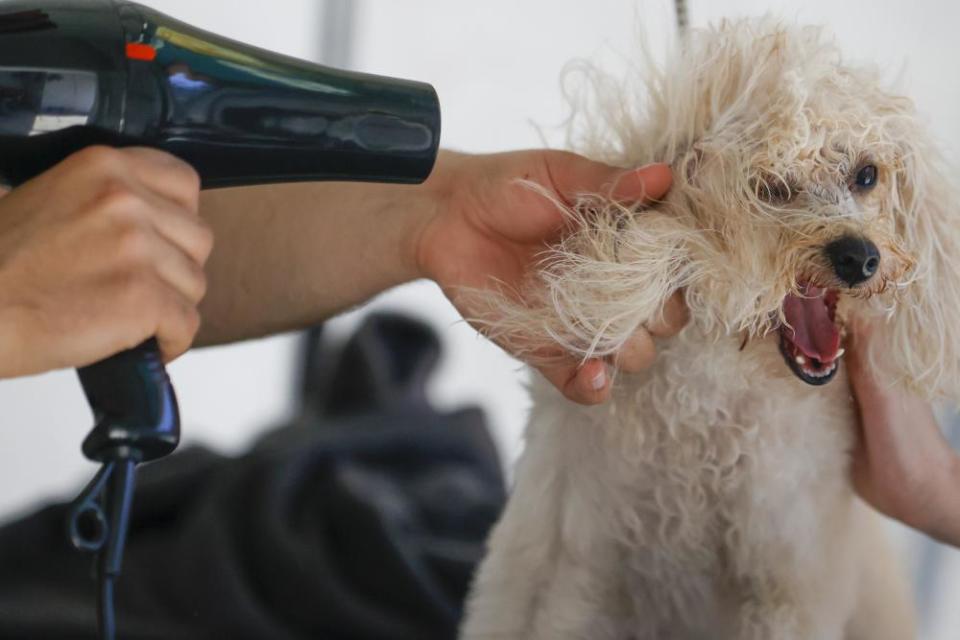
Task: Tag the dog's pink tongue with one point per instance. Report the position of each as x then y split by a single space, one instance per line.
814 333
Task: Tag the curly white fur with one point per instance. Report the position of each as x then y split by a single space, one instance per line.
710 497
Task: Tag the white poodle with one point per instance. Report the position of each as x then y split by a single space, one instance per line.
710 497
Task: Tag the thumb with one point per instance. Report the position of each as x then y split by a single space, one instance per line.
644 184
573 174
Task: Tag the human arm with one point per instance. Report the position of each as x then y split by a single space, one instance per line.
288 256
902 464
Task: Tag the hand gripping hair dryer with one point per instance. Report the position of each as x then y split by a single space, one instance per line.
75 73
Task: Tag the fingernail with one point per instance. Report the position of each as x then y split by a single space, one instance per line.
599 381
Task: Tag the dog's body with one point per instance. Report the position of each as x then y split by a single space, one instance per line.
710 498
691 506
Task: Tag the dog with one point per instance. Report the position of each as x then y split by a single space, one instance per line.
710 497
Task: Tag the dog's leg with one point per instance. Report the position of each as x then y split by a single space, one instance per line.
779 608
519 563
550 573
800 564
884 608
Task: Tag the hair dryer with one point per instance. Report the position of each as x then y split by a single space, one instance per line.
75 73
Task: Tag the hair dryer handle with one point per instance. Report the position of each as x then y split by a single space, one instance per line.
134 406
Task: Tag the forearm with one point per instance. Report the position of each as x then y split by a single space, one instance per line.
287 256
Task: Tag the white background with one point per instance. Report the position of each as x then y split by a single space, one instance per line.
496 65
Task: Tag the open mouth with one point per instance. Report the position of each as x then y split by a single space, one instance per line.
810 339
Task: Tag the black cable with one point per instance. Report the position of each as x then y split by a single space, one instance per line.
106 616
137 419
99 520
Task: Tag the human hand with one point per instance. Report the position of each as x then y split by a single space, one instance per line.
97 255
488 229
902 465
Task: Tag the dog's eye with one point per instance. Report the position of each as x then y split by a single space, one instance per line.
866 177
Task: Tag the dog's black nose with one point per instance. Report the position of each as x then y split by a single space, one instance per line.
854 258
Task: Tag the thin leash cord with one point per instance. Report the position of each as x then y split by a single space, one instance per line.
683 17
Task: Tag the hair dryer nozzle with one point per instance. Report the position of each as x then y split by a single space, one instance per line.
241 115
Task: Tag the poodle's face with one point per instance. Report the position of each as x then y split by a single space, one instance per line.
800 193
804 196
841 244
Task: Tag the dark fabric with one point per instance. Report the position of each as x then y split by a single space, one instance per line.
363 520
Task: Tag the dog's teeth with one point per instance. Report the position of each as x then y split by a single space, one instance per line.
801 360
840 353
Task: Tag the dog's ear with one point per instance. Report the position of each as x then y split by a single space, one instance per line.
595 288
921 337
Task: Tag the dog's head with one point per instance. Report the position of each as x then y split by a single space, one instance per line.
817 197
805 195
803 177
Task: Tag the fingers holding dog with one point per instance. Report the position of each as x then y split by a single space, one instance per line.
584 383
638 353
673 318
571 174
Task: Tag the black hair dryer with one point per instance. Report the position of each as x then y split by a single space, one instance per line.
75 73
